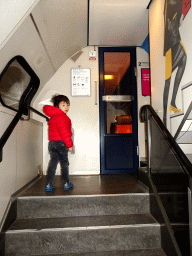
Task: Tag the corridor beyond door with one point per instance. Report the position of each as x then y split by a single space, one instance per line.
118 110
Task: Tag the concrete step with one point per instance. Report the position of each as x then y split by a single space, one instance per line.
83 221
144 252
70 206
83 235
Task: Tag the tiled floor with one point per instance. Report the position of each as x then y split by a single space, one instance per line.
88 185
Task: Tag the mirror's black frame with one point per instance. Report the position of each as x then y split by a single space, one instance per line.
31 89
25 99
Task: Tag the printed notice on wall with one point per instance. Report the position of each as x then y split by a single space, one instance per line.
80 82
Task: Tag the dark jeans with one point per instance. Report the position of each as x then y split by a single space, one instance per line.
58 153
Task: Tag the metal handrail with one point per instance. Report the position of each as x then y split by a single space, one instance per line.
145 112
38 113
12 125
181 157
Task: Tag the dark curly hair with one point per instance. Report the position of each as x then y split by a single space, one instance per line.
56 99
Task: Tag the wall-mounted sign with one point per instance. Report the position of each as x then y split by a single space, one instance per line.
143 64
186 5
145 81
80 82
92 55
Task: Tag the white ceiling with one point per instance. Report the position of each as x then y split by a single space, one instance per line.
118 22
63 25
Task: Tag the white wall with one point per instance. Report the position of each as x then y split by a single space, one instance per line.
157 60
26 42
22 156
142 62
83 113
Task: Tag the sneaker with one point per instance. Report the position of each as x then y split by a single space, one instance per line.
67 185
49 187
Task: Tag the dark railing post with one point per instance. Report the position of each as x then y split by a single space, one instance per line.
190 213
148 128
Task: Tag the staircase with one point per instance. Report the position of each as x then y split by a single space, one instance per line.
172 190
181 123
89 224
183 135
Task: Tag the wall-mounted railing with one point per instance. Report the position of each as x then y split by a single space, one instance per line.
37 112
12 125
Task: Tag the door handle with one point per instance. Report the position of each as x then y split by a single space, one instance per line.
95 93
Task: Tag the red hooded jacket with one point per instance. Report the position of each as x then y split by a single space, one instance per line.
59 125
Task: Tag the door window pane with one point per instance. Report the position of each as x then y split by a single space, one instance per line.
117 73
118 82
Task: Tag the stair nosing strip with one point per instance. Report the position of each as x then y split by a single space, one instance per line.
179 224
82 228
68 196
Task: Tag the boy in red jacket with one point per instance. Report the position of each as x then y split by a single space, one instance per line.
60 141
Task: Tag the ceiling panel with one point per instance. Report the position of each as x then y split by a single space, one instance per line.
12 14
63 27
118 22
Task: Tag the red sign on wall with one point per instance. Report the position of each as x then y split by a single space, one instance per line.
145 81
186 5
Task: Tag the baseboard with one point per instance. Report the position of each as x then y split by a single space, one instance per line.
11 211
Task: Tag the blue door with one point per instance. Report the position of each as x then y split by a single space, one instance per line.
118 110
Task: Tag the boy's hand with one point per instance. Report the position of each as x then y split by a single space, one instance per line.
70 149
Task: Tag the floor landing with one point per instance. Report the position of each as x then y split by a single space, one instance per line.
88 185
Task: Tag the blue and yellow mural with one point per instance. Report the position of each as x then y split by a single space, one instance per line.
174 51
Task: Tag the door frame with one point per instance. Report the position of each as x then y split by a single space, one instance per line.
132 51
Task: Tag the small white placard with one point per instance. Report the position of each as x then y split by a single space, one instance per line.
92 54
80 82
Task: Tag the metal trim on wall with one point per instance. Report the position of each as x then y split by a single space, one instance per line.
118 98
